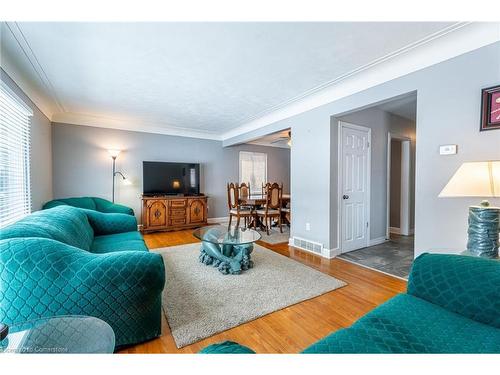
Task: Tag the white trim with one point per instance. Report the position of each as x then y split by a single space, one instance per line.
371 268
330 253
404 213
341 125
444 45
377 241
217 220
130 125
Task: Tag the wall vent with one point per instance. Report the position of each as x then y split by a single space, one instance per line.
313 247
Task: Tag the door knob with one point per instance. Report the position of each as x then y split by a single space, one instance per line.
345 196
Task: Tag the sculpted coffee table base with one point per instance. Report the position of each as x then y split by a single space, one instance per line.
228 249
227 258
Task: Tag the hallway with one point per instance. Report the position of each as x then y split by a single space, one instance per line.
393 257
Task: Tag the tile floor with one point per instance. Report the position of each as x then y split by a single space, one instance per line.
394 256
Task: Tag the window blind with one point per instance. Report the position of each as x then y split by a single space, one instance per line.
253 169
15 189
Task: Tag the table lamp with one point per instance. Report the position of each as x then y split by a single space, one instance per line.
479 179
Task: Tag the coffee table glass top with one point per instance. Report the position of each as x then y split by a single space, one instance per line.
60 335
222 235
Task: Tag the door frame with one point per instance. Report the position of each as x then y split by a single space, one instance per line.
340 175
404 210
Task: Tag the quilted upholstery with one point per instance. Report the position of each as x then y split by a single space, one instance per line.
91 203
64 224
407 324
227 347
128 241
469 286
46 269
449 308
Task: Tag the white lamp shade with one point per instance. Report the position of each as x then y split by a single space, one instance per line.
114 153
474 179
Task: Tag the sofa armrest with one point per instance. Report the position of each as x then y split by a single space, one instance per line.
465 285
41 277
103 223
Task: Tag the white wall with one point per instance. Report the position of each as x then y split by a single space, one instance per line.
82 165
448 111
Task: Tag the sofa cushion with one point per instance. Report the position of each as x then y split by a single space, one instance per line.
65 224
128 241
466 285
407 324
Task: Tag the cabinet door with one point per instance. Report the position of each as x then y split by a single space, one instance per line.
157 214
196 211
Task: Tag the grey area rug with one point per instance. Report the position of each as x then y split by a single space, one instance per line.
199 301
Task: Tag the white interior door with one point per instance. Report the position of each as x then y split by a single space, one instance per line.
355 186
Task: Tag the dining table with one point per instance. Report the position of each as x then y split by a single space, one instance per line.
259 199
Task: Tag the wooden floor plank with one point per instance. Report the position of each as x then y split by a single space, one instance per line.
292 329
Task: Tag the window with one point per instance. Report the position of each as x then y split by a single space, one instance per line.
15 118
253 169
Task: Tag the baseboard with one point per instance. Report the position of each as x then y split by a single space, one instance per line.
395 230
377 241
217 220
331 253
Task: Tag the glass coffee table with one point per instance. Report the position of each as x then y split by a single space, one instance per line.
228 249
60 335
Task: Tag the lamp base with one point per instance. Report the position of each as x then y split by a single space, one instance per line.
483 231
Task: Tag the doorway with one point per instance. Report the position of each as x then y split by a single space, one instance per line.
398 185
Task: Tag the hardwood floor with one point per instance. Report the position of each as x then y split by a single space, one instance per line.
294 328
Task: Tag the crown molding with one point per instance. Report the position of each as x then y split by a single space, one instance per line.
43 96
444 45
130 125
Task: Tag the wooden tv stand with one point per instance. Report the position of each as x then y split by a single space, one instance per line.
172 212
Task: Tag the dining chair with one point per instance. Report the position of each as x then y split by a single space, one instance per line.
273 206
235 208
265 186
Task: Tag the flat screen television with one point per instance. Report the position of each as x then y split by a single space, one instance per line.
170 178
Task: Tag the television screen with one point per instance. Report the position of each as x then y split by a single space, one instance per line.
170 178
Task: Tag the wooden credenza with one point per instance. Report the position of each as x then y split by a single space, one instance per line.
163 213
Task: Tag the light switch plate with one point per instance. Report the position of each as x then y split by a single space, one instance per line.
447 150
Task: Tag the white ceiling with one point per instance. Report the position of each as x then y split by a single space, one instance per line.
405 107
201 77
278 139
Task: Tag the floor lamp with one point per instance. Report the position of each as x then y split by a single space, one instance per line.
114 154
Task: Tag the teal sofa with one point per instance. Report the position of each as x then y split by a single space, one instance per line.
72 261
90 203
452 305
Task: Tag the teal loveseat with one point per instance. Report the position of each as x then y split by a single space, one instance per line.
90 203
452 305
72 261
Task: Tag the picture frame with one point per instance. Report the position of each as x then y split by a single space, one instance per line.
490 108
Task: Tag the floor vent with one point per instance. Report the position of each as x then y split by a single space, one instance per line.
313 247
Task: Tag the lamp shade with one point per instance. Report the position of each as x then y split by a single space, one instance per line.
474 179
114 153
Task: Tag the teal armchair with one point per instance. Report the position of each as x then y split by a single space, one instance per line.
91 203
452 305
70 261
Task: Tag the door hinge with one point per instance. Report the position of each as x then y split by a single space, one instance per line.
367 224
367 144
